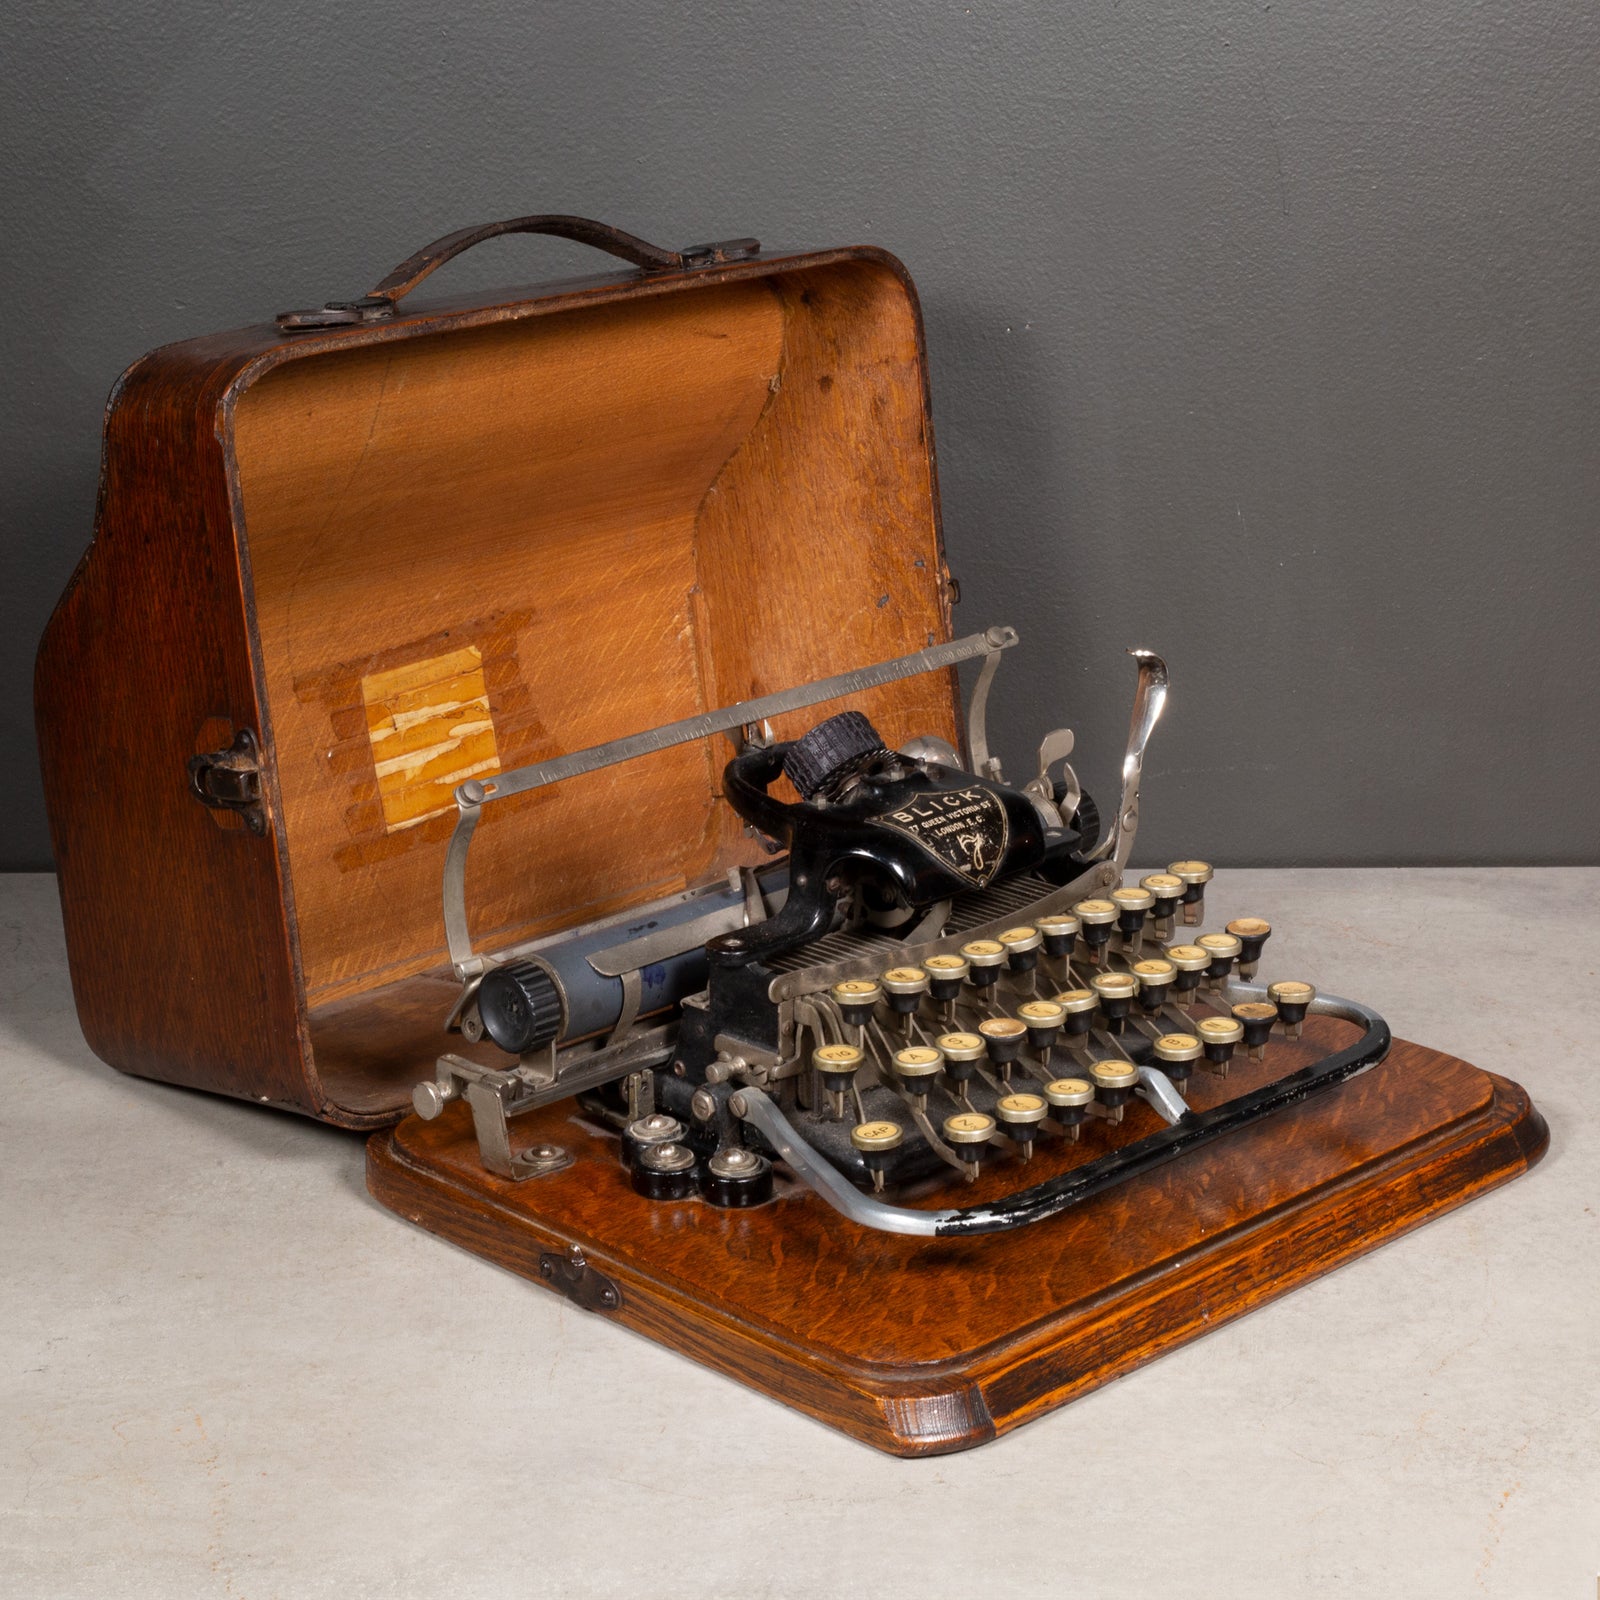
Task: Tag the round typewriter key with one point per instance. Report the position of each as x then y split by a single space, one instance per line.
1059 931
1191 962
1044 1020
1176 1054
877 1142
855 998
868 1137
665 1172
1218 1036
1114 1074
837 1064
1022 947
657 1128
1252 933
985 957
1133 906
1078 1004
946 974
962 1053
735 1178
1194 876
1096 918
967 1133
968 1127
1256 1018
1069 1094
905 987
1069 1100
1116 991
1156 978
1293 999
1004 1038
1223 949
917 1066
1113 1083
1167 891
837 1060
1019 1116
962 1046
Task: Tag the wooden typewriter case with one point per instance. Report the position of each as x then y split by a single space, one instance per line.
354 566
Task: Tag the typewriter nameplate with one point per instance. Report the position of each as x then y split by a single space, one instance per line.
964 829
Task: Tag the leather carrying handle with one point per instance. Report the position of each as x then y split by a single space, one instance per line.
581 230
379 306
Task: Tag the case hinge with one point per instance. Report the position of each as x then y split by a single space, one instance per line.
230 780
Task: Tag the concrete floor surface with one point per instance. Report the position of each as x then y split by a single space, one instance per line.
228 1372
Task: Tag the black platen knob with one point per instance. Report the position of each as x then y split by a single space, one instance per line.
520 1006
831 751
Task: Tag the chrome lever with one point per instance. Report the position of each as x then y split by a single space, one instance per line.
1149 700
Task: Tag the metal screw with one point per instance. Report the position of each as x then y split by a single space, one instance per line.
704 1106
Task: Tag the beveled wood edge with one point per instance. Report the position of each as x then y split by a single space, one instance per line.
1023 1343
1293 1245
690 1327
955 1405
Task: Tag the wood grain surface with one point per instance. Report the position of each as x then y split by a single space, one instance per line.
920 1346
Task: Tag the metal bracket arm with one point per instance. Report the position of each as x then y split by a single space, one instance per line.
475 793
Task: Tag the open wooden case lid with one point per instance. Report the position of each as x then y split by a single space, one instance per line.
486 533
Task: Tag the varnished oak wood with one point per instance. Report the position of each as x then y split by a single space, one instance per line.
920 1347
499 529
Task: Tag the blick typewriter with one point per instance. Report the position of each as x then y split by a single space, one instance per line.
942 973
794 1035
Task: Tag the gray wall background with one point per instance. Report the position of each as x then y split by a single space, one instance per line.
1262 334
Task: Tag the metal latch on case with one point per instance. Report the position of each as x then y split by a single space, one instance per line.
230 780
578 1281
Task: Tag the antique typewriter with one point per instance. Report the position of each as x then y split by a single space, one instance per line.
939 975
772 1045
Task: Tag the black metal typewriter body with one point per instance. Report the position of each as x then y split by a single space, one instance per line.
938 971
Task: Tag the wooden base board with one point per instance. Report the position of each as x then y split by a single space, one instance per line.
920 1347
